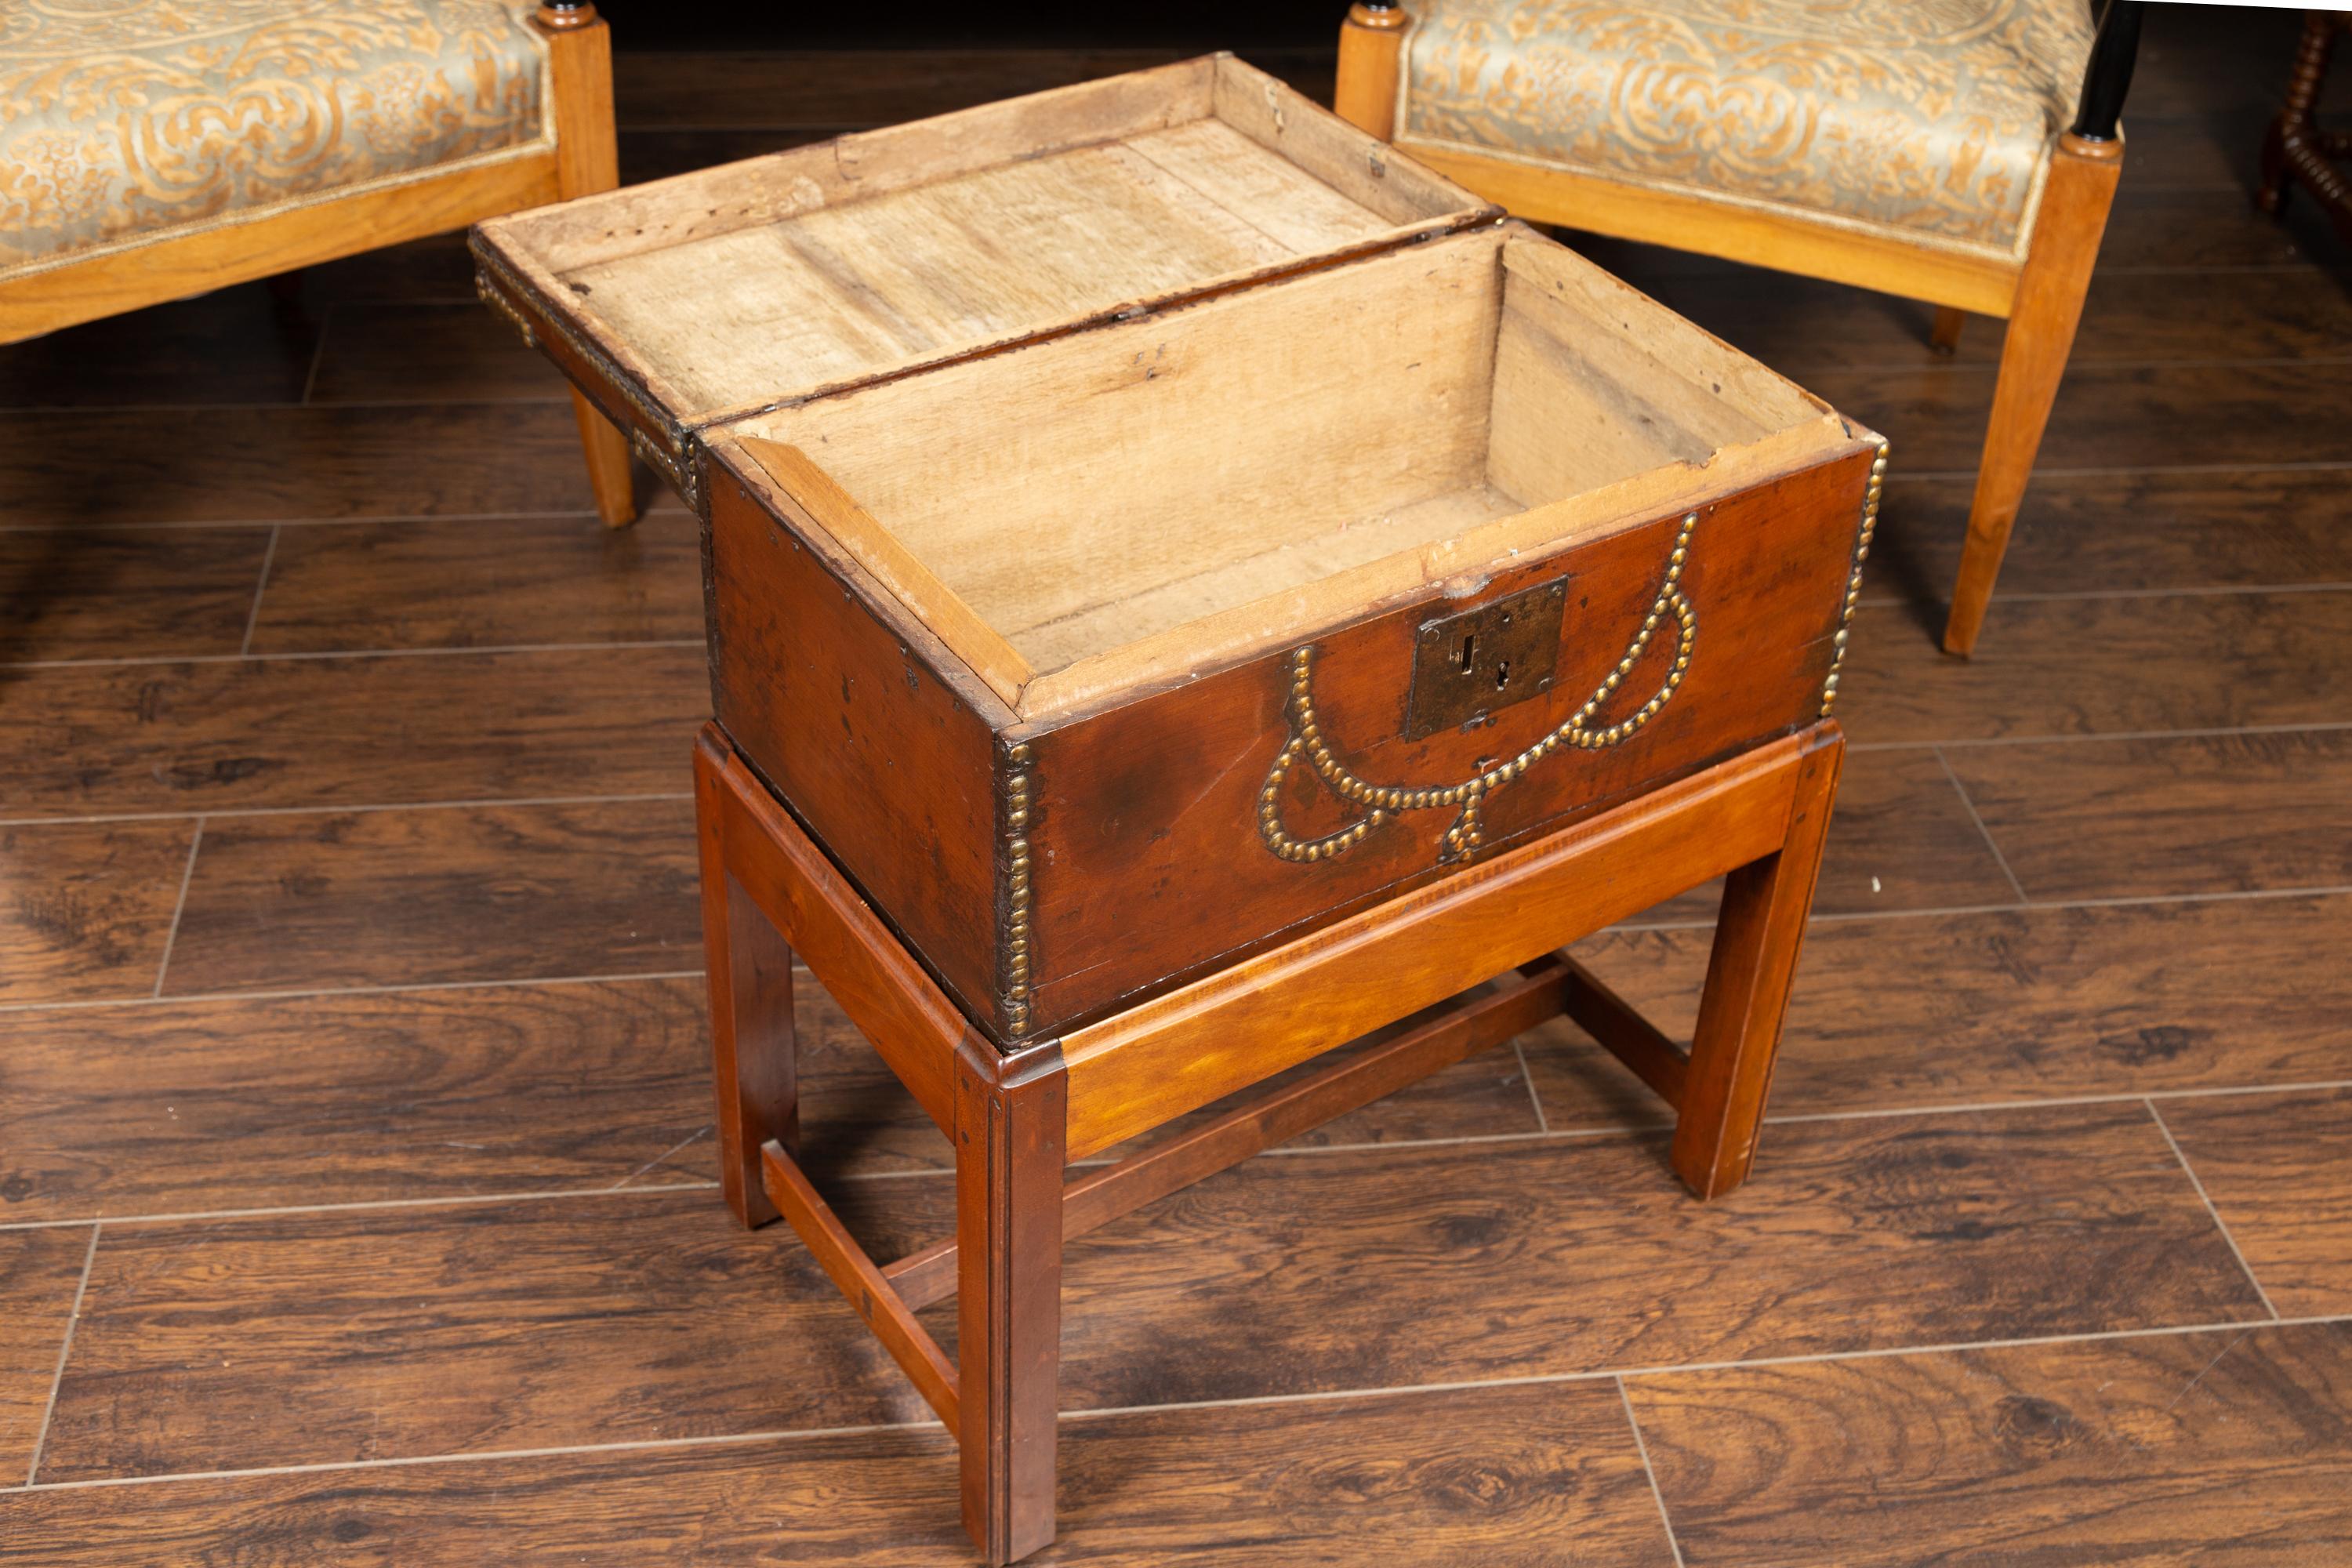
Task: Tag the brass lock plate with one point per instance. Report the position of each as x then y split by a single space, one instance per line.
1467 666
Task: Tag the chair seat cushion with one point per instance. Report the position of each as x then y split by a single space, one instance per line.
123 120
1929 119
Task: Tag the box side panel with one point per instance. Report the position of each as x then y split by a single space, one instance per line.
888 763
1151 859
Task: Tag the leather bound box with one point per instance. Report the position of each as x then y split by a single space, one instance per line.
1149 520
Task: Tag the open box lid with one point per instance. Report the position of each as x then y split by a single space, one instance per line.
692 301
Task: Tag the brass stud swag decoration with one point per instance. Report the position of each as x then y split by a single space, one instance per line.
1462 838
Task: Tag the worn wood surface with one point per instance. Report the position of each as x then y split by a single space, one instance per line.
2131 668
402 351
735 288
2201 813
2227 1447
390 898
1870 1233
245 734
89 907
2032 1005
80 467
2135 599
470 1092
2240 528
40 1274
1521 1475
127 593
482 1321
479 583
2278 1168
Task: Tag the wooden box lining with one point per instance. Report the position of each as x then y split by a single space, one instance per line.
1123 508
783 277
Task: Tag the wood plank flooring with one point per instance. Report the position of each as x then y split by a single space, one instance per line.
357 1201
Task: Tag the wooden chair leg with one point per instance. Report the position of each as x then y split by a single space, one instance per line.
1371 54
2041 322
1011 1138
1944 336
610 473
754 1053
587 160
1757 940
2292 129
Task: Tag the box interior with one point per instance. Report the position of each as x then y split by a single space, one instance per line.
740 287
1121 505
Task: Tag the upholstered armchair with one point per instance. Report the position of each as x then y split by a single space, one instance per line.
154 149
1959 152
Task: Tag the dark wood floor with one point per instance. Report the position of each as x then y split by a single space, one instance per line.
356 1194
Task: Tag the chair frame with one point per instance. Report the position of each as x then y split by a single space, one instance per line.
2041 296
584 159
2296 152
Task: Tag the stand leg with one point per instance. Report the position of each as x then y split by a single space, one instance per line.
1010 1135
1756 940
751 971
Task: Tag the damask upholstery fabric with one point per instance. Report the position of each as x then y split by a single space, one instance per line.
1931 119
124 119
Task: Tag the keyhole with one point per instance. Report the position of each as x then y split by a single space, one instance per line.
1502 675
1469 647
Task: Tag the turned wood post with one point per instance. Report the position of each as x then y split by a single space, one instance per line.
1371 54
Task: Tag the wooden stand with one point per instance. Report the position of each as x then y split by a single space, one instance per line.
1018 1119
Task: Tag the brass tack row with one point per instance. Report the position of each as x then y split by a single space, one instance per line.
1868 531
1015 962
1468 832
497 301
